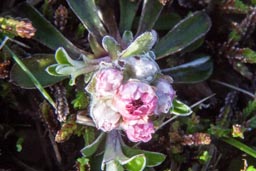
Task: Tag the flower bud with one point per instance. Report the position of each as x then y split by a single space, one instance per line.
142 67
165 94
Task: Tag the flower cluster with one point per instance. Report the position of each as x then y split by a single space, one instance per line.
126 93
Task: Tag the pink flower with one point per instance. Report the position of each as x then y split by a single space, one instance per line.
165 94
135 100
107 81
139 132
104 117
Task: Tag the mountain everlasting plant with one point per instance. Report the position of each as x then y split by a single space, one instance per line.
127 90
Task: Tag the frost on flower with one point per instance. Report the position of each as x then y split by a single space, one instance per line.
139 132
135 100
107 81
104 116
165 94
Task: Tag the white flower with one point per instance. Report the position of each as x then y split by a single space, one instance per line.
104 117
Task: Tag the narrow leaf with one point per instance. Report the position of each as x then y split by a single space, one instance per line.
150 13
187 31
166 21
192 72
247 56
127 38
241 146
62 57
137 163
180 108
86 11
46 33
111 46
141 44
37 65
89 150
127 13
52 70
95 46
107 10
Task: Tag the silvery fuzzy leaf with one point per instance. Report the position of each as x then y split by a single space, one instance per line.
64 69
111 46
62 57
127 37
140 45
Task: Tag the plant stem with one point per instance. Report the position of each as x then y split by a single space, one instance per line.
241 146
235 88
31 76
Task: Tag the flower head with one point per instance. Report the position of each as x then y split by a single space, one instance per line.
165 94
107 81
135 100
104 116
139 132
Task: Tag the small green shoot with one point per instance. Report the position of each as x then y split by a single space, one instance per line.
19 144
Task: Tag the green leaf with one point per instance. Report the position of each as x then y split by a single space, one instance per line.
183 34
62 57
251 168
152 158
83 162
107 13
136 163
127 13
92 148
192 72
252 122
46 33
141 44
248 56
52 70
111 46
167 21
179 108
97 50
81 101
86 11
19 144
150 13
241 146
243 69
193 46
127 37
37 65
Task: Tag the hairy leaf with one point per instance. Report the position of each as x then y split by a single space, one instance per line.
192 72
86 11
46 33
150 13
127 13
186 32
37 65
